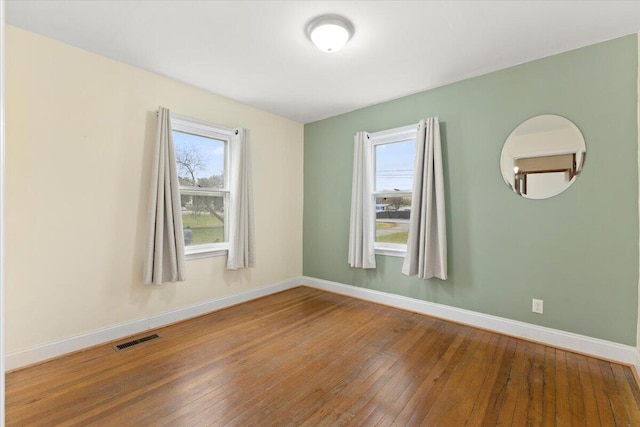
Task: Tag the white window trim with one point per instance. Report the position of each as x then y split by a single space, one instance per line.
209 130
390 249
391 136
394 135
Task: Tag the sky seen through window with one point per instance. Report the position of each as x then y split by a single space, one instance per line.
394 166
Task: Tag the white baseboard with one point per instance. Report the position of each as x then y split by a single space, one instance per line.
122 330
560 339
636 365
565 340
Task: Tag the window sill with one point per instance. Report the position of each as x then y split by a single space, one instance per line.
399 253
206 253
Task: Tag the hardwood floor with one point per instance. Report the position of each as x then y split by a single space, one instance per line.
306 357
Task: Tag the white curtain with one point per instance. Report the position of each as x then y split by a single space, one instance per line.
241 229
363 221
427 244
165 260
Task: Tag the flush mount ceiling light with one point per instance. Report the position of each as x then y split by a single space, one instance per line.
330 32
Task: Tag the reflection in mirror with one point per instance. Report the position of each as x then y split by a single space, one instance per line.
543 156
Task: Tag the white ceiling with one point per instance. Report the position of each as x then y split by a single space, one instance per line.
257 52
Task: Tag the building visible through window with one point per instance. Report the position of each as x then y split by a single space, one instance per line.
394 155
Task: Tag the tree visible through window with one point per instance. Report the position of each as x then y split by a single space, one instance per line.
202 162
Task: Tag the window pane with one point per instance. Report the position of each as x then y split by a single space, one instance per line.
203 219
392 219
394 166
201 160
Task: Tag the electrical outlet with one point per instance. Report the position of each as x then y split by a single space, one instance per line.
537 306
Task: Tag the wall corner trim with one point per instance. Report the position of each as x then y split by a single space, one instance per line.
637 372
636 367
583 344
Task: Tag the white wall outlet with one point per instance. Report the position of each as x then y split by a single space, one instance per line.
537 306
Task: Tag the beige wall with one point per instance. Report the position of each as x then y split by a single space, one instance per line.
80 131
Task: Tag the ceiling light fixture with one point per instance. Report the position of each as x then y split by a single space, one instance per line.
330 32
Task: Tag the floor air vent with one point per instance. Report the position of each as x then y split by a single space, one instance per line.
135 342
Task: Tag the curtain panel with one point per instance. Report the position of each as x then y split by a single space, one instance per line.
427 243
242 252
165 261
362 223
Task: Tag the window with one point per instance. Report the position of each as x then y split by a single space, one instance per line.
394 153
202 157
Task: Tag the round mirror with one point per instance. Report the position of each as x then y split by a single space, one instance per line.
543 156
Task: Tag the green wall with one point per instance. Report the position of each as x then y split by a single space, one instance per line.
578 251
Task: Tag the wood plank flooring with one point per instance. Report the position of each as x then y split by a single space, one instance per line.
307 357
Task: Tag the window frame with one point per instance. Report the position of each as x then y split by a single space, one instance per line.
203 129
390 136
